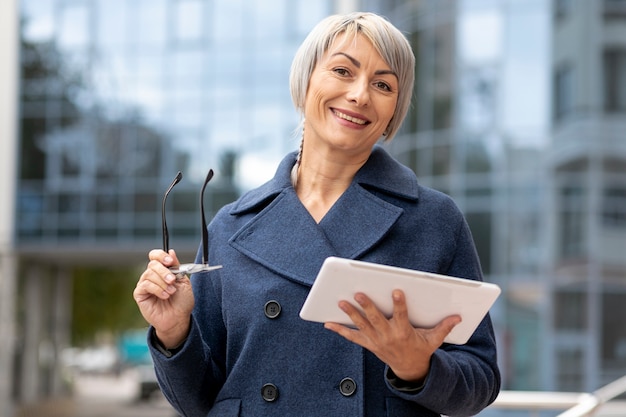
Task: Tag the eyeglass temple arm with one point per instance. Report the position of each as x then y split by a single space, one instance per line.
166 235
205 232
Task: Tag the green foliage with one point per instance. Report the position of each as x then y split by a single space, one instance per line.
103 303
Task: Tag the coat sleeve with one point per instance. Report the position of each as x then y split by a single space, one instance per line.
192 377
463 379
187 379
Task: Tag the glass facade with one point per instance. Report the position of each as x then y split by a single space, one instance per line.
117 96
502 127
465 137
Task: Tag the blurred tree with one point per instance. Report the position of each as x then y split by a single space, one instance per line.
103 303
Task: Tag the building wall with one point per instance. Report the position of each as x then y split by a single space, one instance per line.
8 139
588 167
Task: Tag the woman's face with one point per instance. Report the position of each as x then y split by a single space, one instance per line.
350 99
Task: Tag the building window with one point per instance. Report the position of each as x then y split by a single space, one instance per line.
562 8
413 123
613 330
570 310
571 370
563 92
614 9
614 207
572 222
615 80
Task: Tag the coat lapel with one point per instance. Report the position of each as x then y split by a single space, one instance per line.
285 238
358 221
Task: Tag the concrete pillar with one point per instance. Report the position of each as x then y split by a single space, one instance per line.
32 335
7 330
9 44
61 329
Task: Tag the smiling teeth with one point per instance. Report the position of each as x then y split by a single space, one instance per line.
350 118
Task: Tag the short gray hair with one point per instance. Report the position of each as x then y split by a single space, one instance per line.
388 41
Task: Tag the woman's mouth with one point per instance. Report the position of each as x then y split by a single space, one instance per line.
349 118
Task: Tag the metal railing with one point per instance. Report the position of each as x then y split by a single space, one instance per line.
574 404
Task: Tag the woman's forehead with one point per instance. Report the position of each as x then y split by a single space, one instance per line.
345 40
350 41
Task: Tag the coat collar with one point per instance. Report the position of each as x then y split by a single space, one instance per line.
285 238
380 172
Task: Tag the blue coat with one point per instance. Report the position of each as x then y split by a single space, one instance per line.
248 352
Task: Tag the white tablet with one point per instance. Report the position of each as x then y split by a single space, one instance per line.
430 297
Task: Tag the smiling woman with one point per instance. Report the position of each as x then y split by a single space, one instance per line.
231 342
351 99
388 43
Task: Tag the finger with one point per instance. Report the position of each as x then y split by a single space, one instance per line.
400 309
160 276
348 333
157 254
147 288
355 315
445 326
161 271
172 259
167 259
374 316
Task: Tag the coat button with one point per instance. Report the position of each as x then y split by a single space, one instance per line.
272 309
347 387
269 392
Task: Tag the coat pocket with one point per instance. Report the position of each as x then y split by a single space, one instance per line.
230 407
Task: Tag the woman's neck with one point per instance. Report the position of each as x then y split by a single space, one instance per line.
320 183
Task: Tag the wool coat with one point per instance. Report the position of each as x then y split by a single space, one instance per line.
249 353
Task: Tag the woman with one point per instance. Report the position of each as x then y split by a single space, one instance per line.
230 342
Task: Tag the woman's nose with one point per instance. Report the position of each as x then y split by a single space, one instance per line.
358 92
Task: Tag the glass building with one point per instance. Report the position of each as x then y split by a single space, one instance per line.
518 113
118 96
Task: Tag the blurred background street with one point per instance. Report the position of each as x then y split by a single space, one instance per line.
100 395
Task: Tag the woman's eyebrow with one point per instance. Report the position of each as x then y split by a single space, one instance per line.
354 61
357 64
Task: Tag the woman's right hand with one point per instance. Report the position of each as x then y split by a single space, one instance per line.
164 301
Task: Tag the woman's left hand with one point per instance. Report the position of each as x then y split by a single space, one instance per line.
406 349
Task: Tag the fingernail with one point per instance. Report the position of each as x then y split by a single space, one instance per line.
171 289
169 278
168 260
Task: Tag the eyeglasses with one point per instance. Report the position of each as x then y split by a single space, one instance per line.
191 268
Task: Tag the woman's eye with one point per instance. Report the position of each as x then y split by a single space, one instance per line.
383 86
341 71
